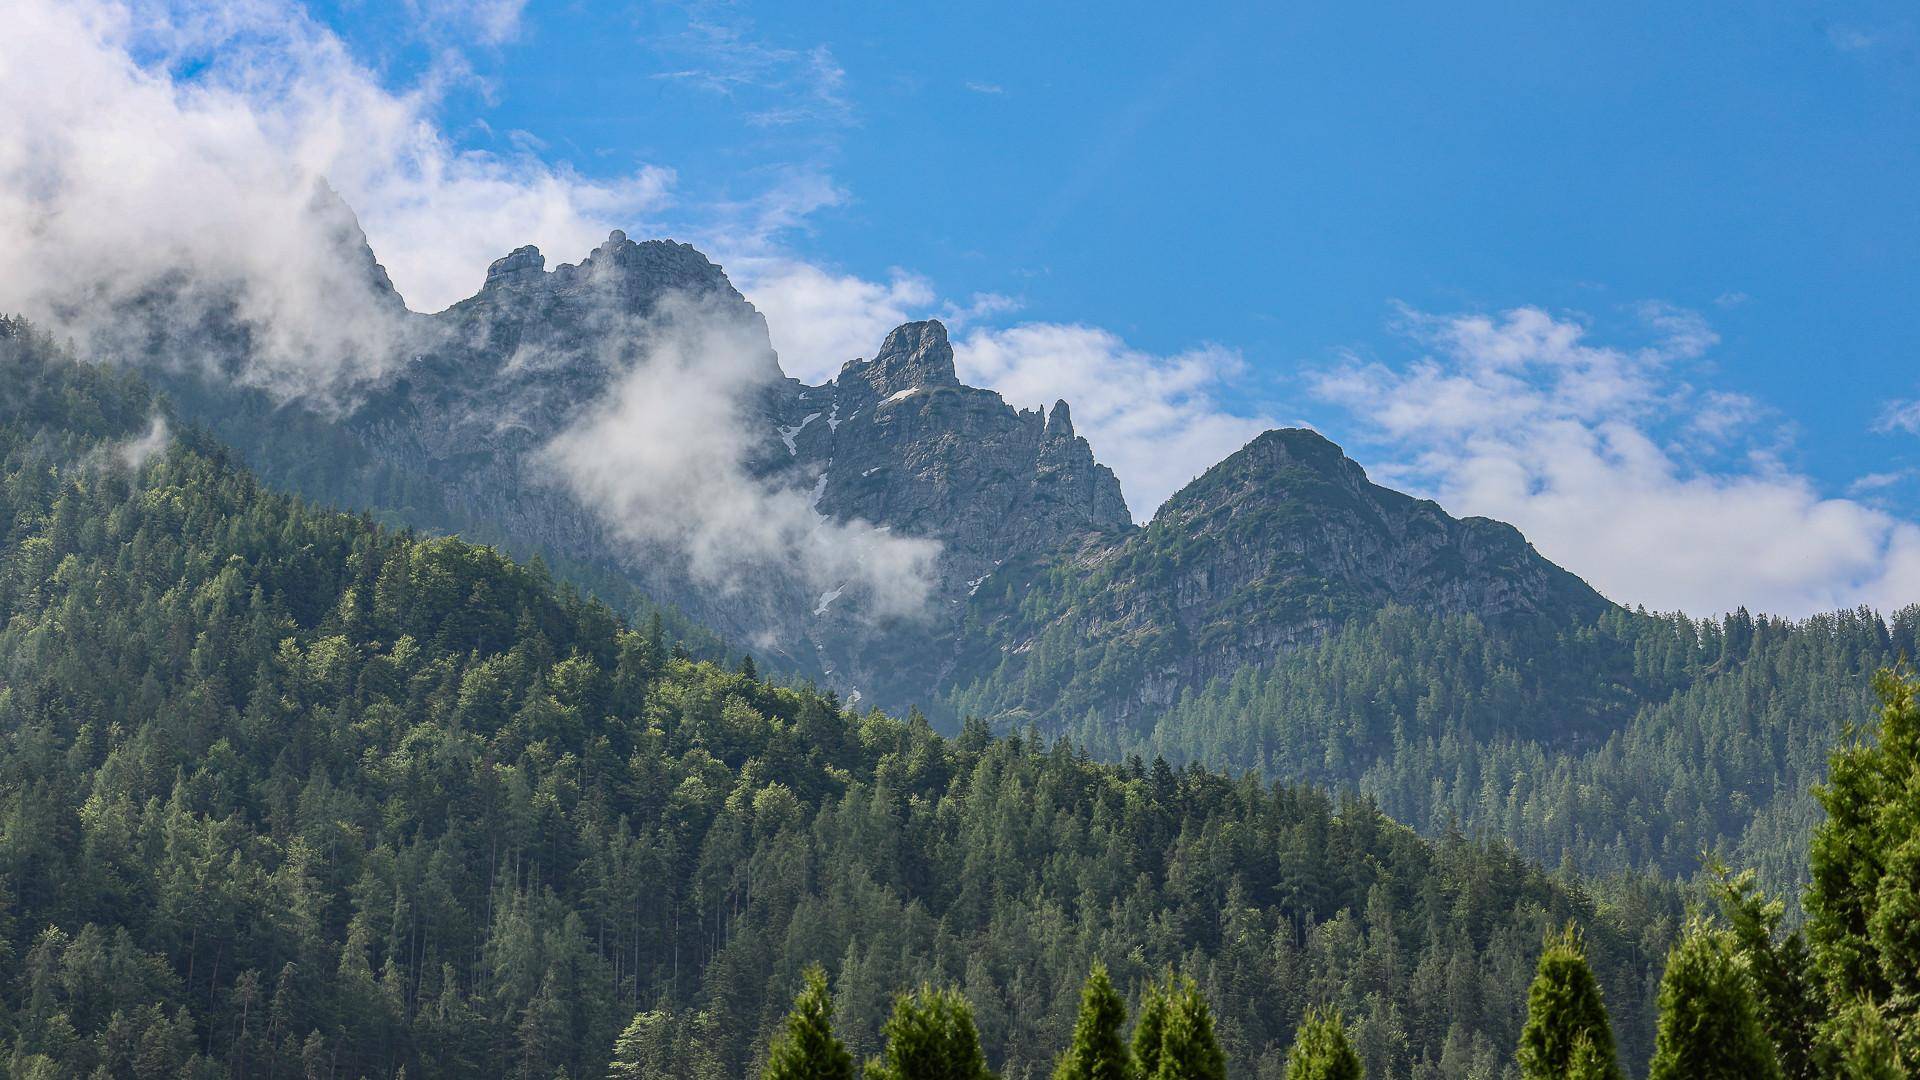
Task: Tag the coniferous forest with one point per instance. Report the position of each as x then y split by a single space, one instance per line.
286 792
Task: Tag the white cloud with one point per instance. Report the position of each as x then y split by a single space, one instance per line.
663 459
985 87
1899 416
820 319
489 21
1878 481
1158 421
1584 447
720 52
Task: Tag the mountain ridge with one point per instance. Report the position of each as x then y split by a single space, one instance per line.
896 441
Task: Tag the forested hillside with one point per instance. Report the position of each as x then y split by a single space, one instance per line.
285 793
1638 742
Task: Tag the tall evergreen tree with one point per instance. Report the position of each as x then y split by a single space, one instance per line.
645 1050
1321 1050
1149 1030
808 1048
1863 905
1709 1024
1174 1039
1098 1052
1779 969
1564 1007
931 1036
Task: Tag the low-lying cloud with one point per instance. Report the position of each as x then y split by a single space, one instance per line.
123 181
663 457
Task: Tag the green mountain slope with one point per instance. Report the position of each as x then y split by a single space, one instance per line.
1270 551
283 791
1638 742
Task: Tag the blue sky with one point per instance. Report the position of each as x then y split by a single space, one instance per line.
1571 265
1271 179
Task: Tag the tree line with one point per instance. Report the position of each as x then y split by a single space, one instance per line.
1739 997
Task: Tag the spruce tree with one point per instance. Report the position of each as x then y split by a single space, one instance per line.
1563 1007
1321 1050
1863 904
1779 969
1097 1052
645 1050
808 1048
1174 1039
1709 1023
930 1036
1150 1028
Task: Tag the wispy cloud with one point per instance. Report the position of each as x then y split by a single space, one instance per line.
1594 451
985 87
663 458
717 51
1851 38
491 22
1873 483
1901 415
1158 421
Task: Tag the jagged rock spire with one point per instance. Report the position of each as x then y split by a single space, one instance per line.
915 356
523 263
1059 422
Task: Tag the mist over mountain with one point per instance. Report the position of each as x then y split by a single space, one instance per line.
892 532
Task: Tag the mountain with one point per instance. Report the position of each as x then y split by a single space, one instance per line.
1271 550
900 442
284 792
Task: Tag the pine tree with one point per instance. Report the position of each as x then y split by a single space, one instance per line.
930 1036
1097 1051
1174 1039
645 1050
1863 905
808 1049
1563 1007
1321 1050
1709 1023
1150 1029
1779 969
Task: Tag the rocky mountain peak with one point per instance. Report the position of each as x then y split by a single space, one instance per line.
1059 423
1284 464
347 243
522 265
915 356
619 275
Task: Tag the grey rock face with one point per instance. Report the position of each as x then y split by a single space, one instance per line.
903 443
899 442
